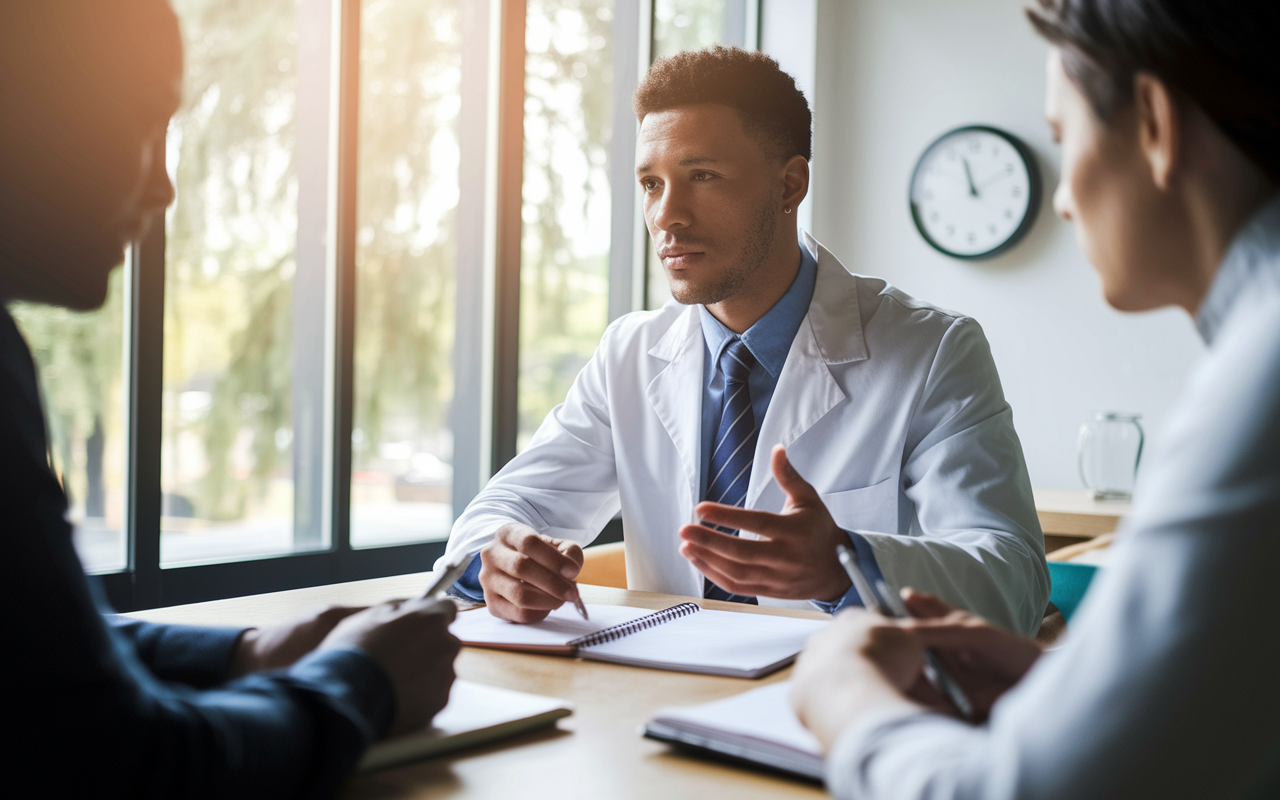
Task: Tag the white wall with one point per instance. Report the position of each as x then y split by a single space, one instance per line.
891 76
788 32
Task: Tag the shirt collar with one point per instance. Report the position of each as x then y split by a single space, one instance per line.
1252 259
769 339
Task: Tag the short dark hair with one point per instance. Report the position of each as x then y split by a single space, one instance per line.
1221 56
768 100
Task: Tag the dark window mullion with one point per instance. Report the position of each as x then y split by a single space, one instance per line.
145 413
344 278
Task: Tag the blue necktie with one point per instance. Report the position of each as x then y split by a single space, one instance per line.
734 447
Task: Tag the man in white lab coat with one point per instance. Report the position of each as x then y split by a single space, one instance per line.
890 408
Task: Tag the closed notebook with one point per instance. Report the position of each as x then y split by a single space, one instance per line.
684 637
756 726
476 715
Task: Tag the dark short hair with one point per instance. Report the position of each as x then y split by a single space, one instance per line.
768 100
1222 56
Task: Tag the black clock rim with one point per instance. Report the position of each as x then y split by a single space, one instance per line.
1033 201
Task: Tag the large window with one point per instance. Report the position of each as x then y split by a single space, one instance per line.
352 314
406 251
230 266
565 244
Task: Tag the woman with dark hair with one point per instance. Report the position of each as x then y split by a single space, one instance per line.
1168 112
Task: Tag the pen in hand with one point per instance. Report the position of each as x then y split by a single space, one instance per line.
892 606
448 577
577 602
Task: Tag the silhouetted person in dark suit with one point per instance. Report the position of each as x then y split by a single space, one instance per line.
101 707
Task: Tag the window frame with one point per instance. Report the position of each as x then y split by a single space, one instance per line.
486 343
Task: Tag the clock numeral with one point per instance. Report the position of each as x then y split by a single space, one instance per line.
928 194
975 146
992 228
934 216
1017 191
1008 169
973 237
951 230
1008 213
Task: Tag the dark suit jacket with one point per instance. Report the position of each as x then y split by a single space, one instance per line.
95 707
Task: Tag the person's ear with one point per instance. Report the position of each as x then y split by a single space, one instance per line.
1159 128
795 182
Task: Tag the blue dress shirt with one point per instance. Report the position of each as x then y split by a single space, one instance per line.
769 340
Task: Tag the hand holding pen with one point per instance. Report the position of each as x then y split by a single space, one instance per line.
526 574
883 601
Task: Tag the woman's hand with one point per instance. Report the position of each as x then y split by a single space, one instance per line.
862 662
985 660
865 662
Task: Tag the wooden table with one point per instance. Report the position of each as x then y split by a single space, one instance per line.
596 753
1071 516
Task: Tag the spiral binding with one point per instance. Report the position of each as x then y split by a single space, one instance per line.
635 625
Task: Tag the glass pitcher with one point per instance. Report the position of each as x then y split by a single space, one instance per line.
1108 453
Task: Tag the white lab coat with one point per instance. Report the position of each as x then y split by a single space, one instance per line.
889 406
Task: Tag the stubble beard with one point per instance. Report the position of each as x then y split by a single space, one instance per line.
755 252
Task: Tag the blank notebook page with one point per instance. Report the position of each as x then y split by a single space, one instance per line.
720 639
559 628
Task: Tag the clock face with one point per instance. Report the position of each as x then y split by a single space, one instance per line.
975 192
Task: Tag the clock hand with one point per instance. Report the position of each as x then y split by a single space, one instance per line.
973 190
998 176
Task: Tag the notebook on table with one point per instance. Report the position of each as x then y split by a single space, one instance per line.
685 637
756 726
476 715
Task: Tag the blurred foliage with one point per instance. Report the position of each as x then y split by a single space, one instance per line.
564 267
79 357
687 25
409 102
231 237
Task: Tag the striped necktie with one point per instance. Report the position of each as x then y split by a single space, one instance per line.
734 447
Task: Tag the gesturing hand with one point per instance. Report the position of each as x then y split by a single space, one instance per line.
279 646
409 639
795 559
526 575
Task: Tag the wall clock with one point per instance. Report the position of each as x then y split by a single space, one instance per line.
975 192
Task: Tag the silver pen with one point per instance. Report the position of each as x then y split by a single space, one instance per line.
888 604
448 577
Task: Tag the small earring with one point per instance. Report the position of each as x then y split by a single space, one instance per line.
786 209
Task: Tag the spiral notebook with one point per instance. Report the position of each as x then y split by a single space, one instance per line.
684 637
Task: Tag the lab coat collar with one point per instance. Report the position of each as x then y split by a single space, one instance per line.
675 393
831 333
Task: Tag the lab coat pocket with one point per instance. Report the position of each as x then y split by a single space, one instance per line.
872 508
